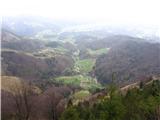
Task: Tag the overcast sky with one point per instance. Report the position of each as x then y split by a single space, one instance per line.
110 11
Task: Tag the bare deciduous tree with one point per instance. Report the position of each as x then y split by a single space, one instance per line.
22 98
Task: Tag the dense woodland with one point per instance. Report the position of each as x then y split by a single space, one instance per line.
136 104
129 61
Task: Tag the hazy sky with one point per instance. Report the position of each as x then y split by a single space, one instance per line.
112 11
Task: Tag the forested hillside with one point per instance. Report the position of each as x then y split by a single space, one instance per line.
130 61
137 104
59 70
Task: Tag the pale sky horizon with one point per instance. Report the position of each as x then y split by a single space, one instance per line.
112 11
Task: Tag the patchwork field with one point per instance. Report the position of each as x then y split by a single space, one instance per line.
85 65
85 82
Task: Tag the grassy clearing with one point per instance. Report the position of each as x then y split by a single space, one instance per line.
69 38
85 65
81 94
8 83
12 84
60 49
70 80
98 52
85 82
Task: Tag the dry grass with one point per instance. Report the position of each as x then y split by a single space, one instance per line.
14 84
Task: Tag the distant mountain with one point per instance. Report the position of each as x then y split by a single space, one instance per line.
104 30
30 25
12 41
130 60
36 26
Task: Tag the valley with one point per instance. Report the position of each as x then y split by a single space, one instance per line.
52 69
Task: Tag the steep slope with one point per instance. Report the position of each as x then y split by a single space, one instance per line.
30 67
129 61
